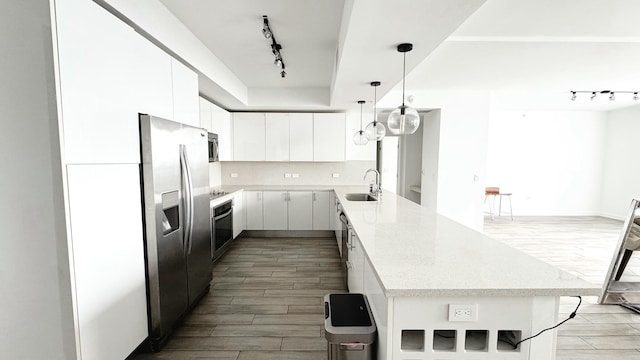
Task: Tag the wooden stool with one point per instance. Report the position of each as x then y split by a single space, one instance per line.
490 194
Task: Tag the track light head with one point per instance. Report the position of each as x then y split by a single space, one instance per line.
635 96
283 74
612 96
593 95
573 96
266 30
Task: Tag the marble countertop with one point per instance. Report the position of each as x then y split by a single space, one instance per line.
416 252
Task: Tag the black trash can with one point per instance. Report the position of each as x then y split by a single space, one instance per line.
349 327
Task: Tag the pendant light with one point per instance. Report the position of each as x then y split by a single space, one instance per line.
375 131
360 138
404 120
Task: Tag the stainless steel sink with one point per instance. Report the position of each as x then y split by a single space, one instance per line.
360 197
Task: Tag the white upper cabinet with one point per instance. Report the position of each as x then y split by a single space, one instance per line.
300 137
100 64
300 205
329 137
221 125
321 210
205 114
248 137
277 136
186 108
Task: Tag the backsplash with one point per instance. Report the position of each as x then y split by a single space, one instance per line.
309 173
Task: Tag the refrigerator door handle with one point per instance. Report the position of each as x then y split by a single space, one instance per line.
186 173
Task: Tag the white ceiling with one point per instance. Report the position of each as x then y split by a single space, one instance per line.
531 54
528 53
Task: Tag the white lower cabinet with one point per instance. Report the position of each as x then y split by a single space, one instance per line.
238 214
253 210
288 210
321 210
355 267
275 210
300 210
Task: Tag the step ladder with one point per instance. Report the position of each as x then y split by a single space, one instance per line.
614 291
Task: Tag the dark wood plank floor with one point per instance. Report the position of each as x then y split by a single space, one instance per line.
265 303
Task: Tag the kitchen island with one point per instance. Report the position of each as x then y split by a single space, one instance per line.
440 290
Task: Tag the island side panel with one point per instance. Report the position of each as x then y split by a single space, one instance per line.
422 328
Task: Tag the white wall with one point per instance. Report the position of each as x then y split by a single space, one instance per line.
37 318
430 151
410 164
464 118
621 173
552 162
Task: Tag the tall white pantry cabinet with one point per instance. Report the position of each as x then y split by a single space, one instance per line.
104 74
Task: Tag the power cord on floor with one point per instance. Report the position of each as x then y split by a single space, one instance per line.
571 316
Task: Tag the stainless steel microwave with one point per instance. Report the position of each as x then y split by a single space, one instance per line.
213 147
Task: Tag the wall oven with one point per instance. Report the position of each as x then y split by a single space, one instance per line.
221 228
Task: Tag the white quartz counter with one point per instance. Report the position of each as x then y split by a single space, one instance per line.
415 252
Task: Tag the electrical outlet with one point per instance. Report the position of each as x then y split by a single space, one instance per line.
294 175
335 175
463 312
287 175
234 175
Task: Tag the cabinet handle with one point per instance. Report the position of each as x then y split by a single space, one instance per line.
314 196
259 195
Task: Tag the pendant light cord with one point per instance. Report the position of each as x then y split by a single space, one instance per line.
404 69
375 96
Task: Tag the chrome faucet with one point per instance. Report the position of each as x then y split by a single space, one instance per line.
374 189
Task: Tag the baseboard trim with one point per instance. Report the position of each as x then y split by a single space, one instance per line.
288 233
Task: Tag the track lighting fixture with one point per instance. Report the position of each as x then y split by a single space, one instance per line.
612 94
275 47
266 30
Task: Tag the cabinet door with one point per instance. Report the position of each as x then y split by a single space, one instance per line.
300 207
356 264
275 210
328 137
300 137
253 210
238 214
332 207
109 263
321 209
186 108
221 125
277 137
205 114
248 137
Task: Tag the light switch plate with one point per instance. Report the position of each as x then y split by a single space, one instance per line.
335 175
287 175
295 175
234 175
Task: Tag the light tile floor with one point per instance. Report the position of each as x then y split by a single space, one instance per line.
266 296
583 246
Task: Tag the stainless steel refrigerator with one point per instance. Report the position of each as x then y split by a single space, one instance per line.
175 182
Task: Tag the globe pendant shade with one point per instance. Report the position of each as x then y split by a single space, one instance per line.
403 121
360 138
375 131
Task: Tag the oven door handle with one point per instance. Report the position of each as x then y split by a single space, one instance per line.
223 215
